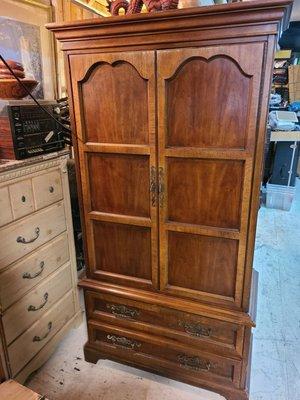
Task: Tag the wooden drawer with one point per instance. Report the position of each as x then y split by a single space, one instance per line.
5 209
22 350
195 330
22 237
47 189
31 307
133 344
24 275
21 197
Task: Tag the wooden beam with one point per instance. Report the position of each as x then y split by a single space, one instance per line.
97 7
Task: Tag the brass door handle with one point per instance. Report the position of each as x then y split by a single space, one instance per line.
161 186
153 186
21 239
33 308
27 275
195 363
40 338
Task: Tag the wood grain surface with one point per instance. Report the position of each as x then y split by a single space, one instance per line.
170 111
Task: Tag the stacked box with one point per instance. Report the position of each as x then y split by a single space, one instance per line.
294 83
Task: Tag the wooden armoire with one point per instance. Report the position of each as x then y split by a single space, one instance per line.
169 114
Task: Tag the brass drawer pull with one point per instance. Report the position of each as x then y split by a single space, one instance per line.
23 198
27 275
40 338
20 239
195 329
51 189
33 308
124 342
121 311
194 363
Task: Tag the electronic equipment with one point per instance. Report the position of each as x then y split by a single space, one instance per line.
284 169
26 130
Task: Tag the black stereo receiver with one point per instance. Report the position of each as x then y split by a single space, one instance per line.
26 130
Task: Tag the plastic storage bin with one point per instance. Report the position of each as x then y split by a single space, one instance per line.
279 196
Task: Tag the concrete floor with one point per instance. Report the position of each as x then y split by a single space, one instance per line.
276 352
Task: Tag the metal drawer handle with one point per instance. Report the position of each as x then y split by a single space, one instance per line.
23 198
122 311
27 275
40 338
124 342
33 308
195 329
194 363
21 239
51 189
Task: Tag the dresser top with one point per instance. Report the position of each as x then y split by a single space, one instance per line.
9 165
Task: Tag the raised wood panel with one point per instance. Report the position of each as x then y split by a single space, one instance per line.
193 115
119 184
116 163
122 250
119 96
206 139
222 82
209 263
205 192
132 71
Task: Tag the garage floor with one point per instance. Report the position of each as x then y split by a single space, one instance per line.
276 351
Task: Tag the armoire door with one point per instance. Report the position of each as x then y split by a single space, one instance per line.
207 112
114 108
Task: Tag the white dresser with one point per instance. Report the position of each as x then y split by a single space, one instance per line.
38 276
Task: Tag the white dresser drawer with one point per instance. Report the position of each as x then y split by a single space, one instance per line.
21 198
5 209
24 275
47 189
24 236
32 306
23 349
